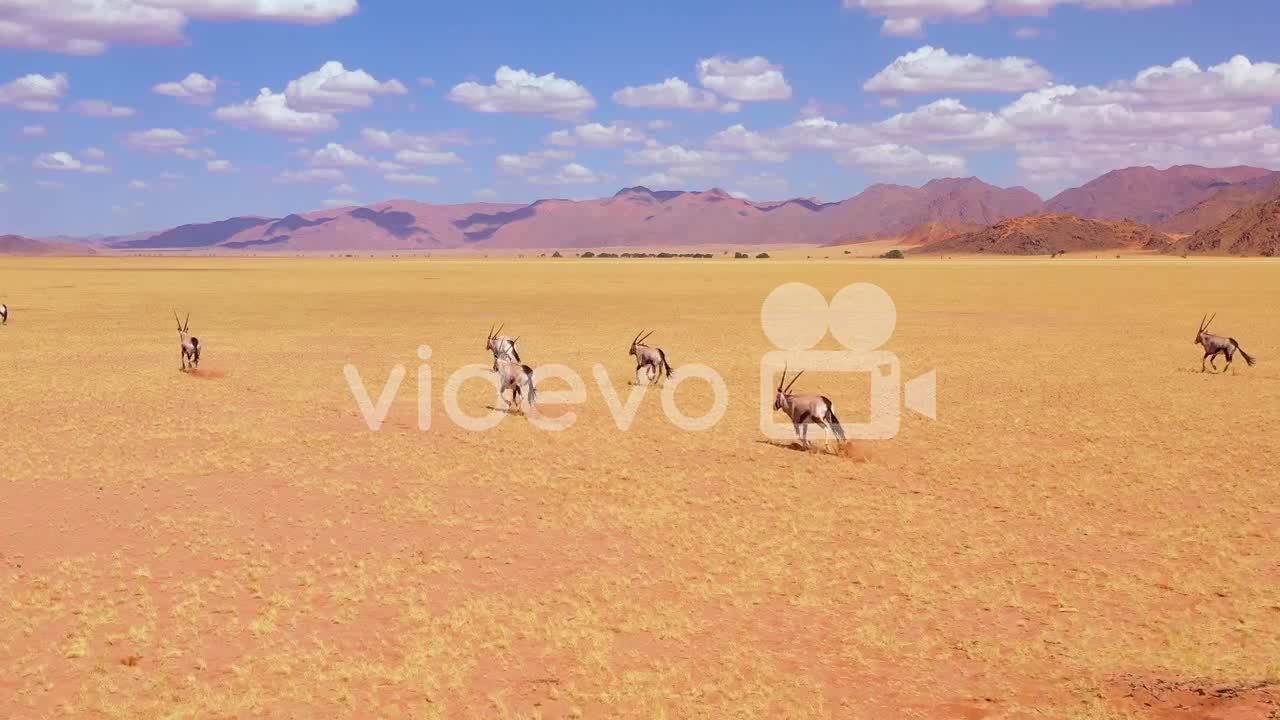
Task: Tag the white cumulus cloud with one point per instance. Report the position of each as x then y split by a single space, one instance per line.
752 79
946 120
271 112
670 93
596 135
65 161
511 164
335 155
908 17
754 145
520 91
411 179
194 153
892 160
309 176
680 161
570 174
89 27
930 70
34 92
427 157
333 88
194 88
157 139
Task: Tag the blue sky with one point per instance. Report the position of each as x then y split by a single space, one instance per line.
399 99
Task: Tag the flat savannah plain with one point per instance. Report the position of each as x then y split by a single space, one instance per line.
1089 529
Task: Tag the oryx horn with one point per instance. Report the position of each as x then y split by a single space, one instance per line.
793 382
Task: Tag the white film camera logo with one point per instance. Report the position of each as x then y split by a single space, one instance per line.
862 317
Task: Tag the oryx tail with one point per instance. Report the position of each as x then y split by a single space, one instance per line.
667 366
530 391
832 420
1248 359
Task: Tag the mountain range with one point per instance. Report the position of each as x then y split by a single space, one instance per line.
19 245
1180 200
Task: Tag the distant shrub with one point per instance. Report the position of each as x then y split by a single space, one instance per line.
556 254
587 254
740 256
762 256
894 254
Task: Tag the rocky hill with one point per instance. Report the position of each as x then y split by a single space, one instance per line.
1255 230
1054 233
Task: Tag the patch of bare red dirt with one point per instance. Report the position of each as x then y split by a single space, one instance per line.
1197 699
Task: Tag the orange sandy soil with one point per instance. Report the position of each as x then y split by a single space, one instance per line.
1088 530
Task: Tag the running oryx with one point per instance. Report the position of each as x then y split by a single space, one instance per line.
514 377
805 409
501 345
4 314
648 357
190 344
1216 344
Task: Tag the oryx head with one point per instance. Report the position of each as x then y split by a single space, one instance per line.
638 340
182 326
783 393
1203 327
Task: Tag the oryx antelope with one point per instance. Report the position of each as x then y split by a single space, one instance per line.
1215 345
648 357
806 409
190 344
4 314
501 346
514 377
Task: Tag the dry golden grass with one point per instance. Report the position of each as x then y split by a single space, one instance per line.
1087 516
